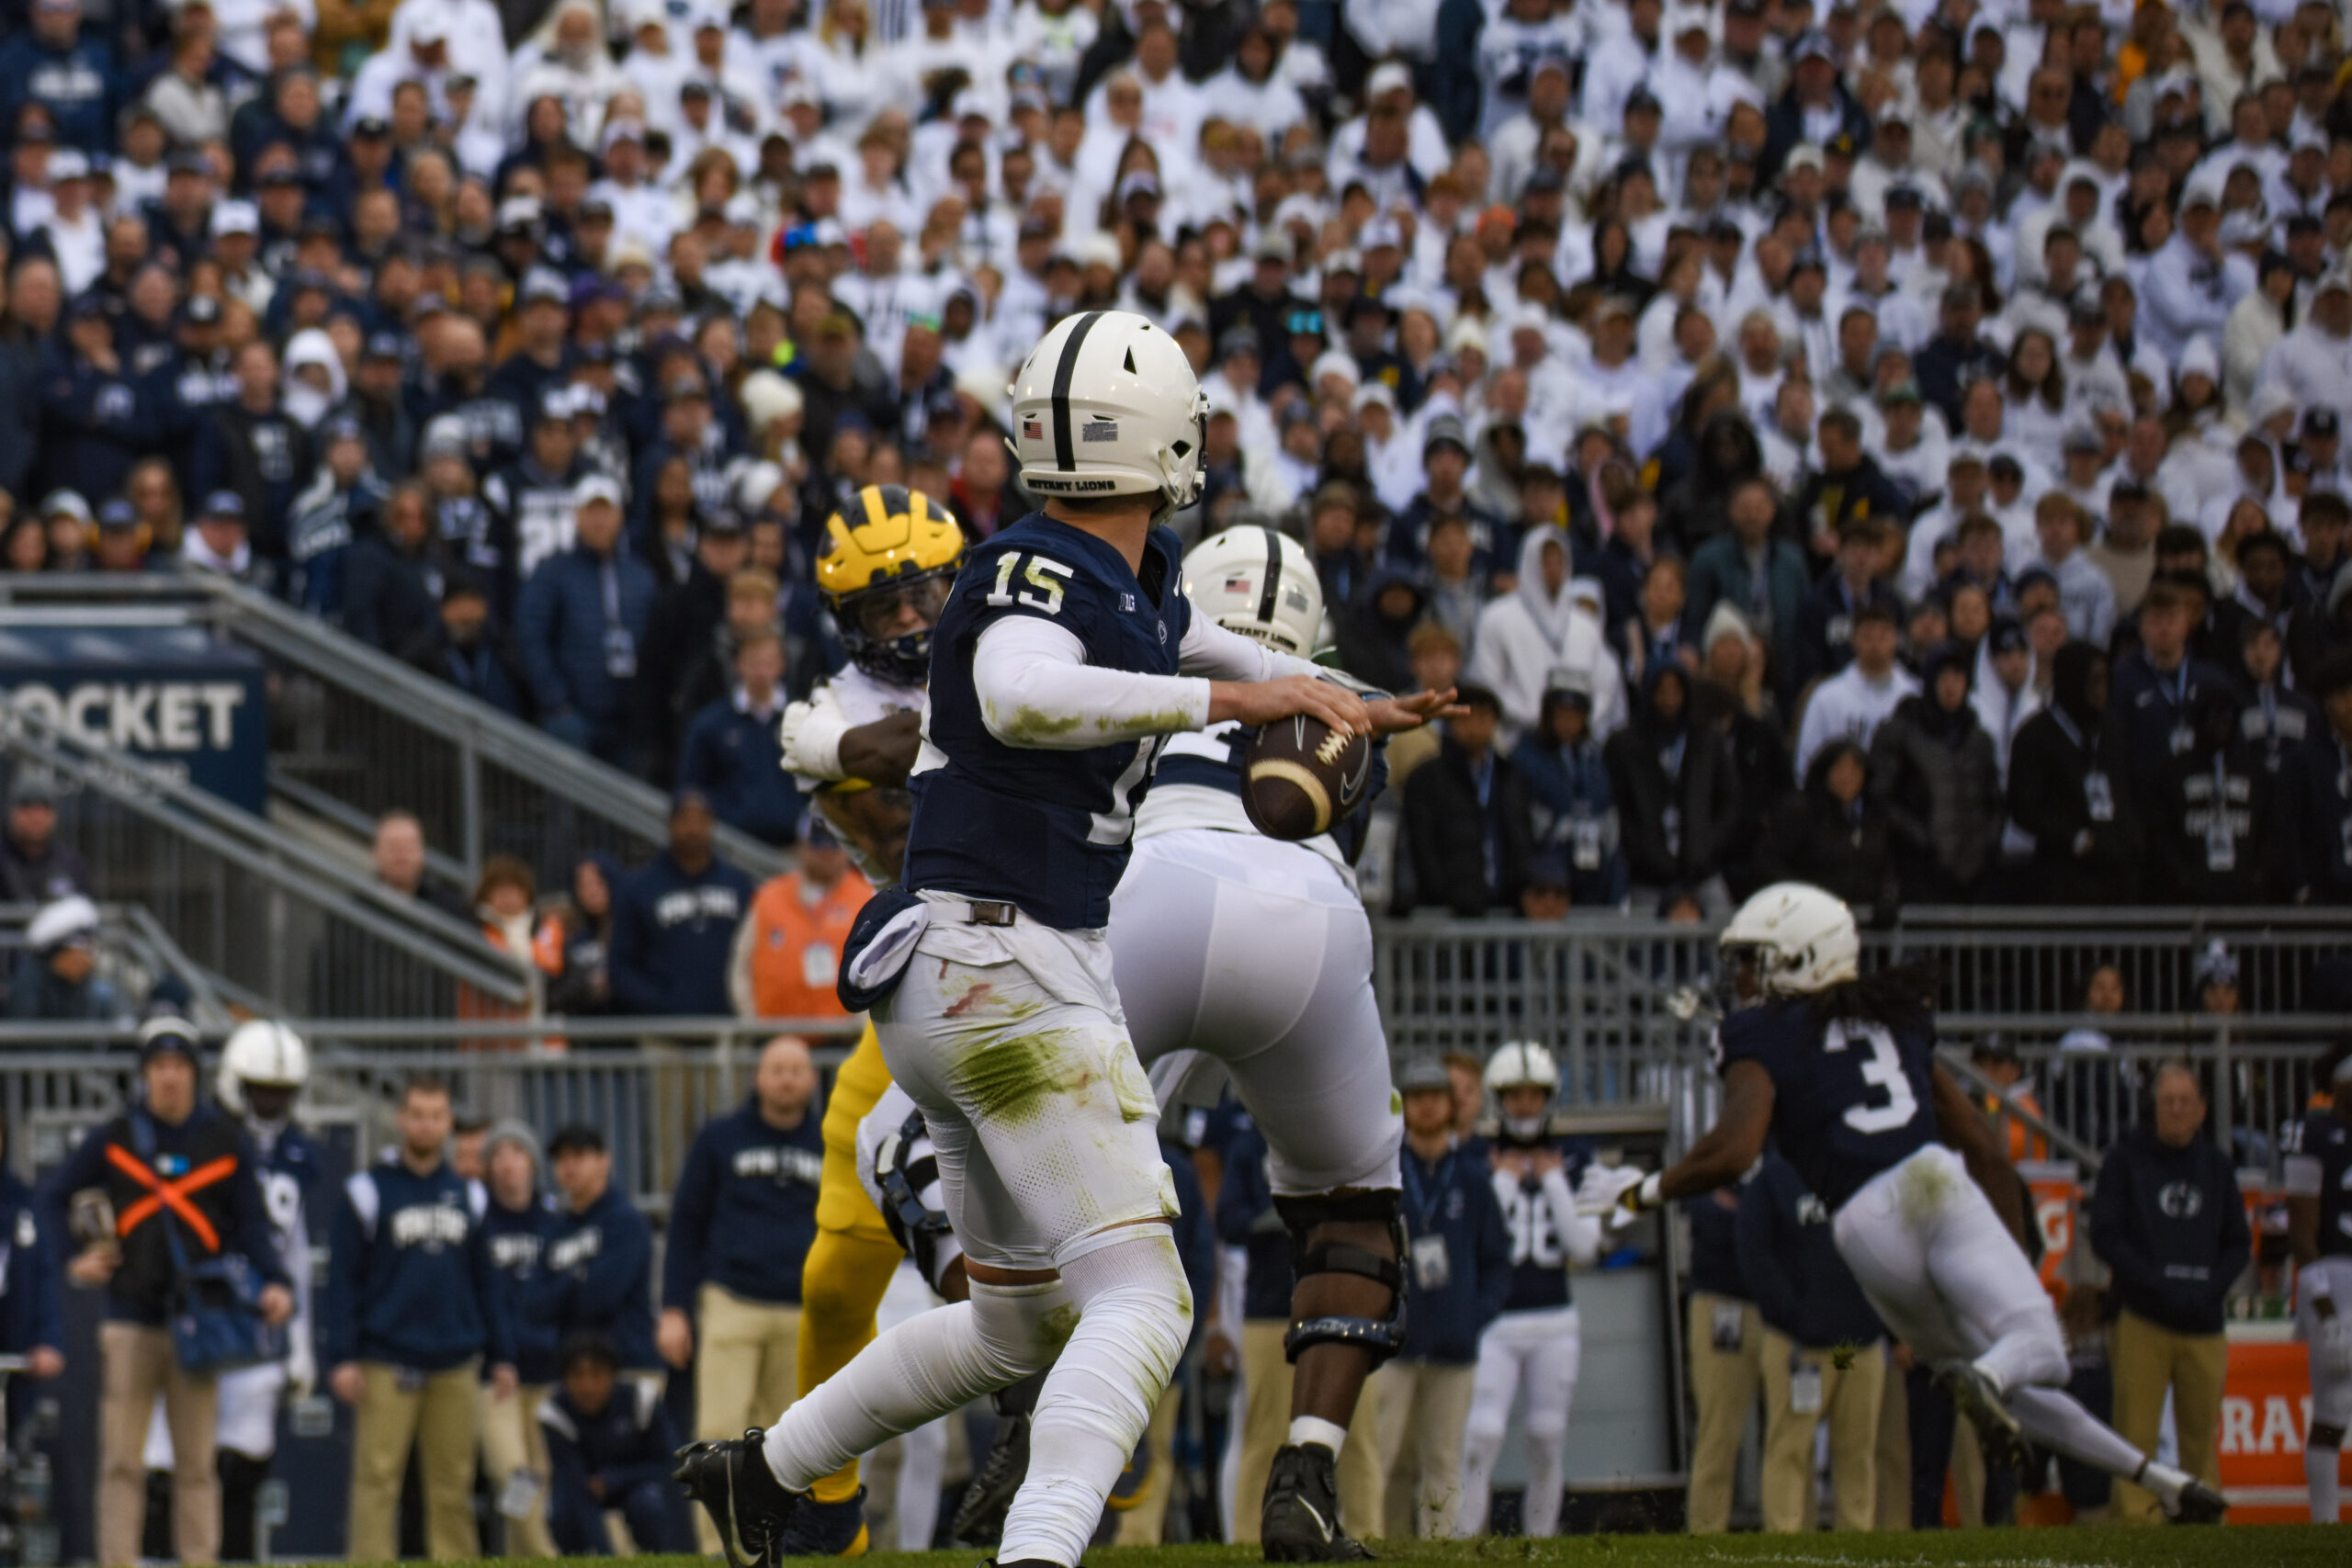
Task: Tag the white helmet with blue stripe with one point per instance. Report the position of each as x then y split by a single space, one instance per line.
1257 582
1107 405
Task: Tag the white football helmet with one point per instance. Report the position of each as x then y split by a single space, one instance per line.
1107 404
1802 939
263 1053
1522 1064
1254 582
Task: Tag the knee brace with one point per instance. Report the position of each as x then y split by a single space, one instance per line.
2324 1436
906 1169
1378 1338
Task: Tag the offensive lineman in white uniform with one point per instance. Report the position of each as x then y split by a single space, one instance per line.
1537 1344
1232 948
263 1068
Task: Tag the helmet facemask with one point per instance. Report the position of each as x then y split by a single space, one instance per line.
872 624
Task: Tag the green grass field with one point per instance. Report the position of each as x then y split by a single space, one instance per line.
2270 1546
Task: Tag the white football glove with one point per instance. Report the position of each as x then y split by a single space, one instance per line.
1598 1190
302 1367
1633 1200
811 747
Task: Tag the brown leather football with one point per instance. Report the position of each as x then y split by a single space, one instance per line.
1300 776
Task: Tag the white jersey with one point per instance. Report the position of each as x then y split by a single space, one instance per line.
1196 784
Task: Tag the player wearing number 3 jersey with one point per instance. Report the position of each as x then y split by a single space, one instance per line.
1067 651
1839 1069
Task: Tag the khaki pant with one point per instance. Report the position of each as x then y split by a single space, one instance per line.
1722 1385
1849 1403
1894 1453
139 1365
513 1439
440 1414
2146 1360
1266 1385
745 1371
1423 1407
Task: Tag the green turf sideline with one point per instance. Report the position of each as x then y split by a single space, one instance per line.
2263 1546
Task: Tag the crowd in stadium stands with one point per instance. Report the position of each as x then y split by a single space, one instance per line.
1904 440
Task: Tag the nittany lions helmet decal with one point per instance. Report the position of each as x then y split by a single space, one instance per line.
1106 404
1801 938
1255 581
890 551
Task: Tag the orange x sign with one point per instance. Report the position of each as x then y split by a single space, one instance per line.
174 1194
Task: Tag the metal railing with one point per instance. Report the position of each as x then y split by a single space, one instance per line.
648 1084
358 731
271 921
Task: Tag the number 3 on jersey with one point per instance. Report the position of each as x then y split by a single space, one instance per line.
1882 1071
1044 577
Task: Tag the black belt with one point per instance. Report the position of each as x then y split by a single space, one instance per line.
990 912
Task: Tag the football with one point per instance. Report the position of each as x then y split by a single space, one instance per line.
1299 776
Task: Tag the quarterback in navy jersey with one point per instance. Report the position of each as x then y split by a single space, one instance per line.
1065 655
1536 1346
1839 1070
2319 1227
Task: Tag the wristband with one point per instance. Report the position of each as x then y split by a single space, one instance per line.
1649 1194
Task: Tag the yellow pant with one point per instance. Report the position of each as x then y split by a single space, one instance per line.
1266 1376
1849 1398
851 1262
2147 1359
513 1439
441 1415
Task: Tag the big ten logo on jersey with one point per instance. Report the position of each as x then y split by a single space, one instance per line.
780 1164
431 1225
1881 1074
695 905
1534 1240
577 1249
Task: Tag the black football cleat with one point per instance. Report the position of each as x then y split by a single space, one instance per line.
2199 1505
754 1512
1299 1521
1973 1396
979 1518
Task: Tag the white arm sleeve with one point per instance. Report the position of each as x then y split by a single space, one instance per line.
1210 650
1579 1233
1036 690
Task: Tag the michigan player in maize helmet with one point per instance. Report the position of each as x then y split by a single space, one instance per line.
884 569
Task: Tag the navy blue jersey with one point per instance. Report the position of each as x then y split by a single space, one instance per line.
288 1169
2322 1143
1047 830
1539 1266
1849 1098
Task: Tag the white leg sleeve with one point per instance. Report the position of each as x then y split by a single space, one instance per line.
923 1369
1134 1313
1551 1391
2054 1421
1493 1390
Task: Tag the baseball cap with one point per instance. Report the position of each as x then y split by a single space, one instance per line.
1423 1075
235 217
224 504
1392 77
2322 421
595 487
1446 429
118 514
543 285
